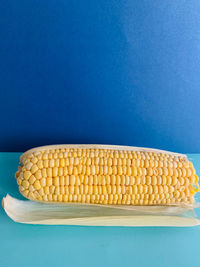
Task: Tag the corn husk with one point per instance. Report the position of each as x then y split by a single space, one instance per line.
29 212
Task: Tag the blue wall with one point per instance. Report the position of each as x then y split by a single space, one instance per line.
113 72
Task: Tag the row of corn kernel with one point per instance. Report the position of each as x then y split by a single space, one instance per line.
103 161
104 190
60 153
111 199
108 180
104 170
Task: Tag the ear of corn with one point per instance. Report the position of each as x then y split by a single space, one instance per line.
106 175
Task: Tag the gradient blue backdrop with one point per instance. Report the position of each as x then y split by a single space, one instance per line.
114 72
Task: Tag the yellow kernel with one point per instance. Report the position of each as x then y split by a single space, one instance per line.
192 179
43 182
134 171
150 189
171 189
165 189
174 180
62 180
179 172
21 188
160 163
90 189
62 162
123 180
65 171
46 163
60 198
175 172
135 189
49 172
27 174
113 179
51 163
66 180
162 196
34 168
145 189
187 182
118 189
56 181
176 194
118 180
55 171
75 171
95 190
49 181
154 180
46 190
52 189
38 174
124 169
55 155
160 171
114 160
113 189
170 172
127 180
129 171
65 198
37 185
107 179
155 189
137 180
76 190
25 193
140 189
182 181
119 170
41 191
108 187
45 156
34 160
114 170
60 171
148 180
146 163
132 180
72 180
29 165
169 180
44 172
70 169
160 189
93 170
40 164
164 179
71 189
165 171
25 184
149 171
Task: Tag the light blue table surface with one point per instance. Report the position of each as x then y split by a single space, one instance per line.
33 245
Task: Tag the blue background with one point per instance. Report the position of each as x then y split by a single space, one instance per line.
113 72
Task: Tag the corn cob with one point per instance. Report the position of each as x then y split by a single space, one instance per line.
106 175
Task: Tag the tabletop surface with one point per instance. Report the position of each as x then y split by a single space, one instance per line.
35 245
